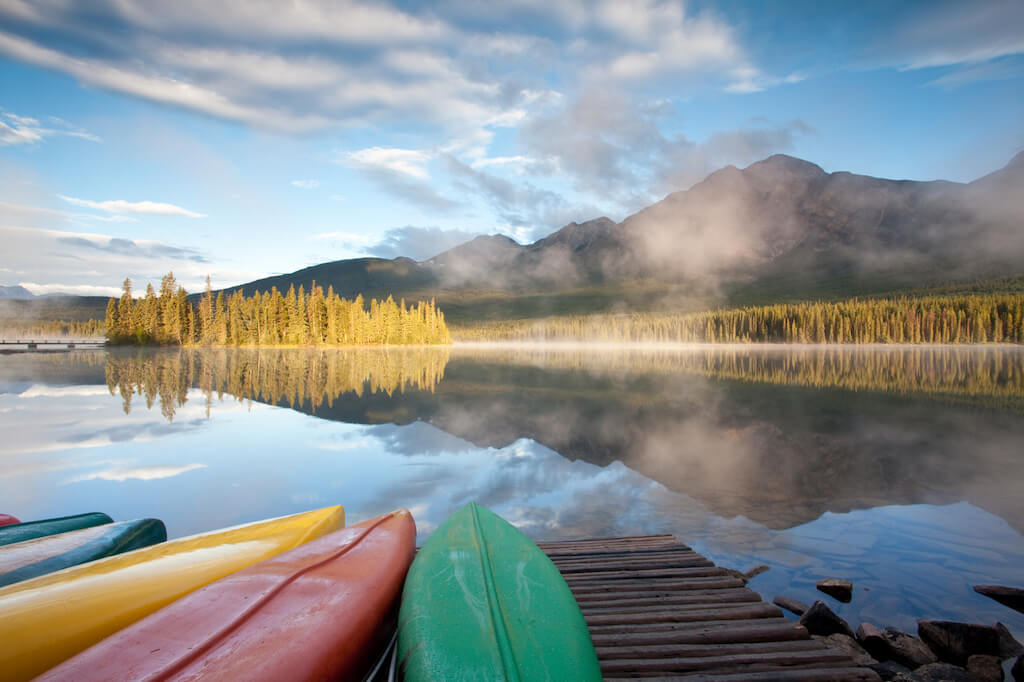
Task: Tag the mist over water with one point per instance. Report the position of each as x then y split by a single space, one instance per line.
898 468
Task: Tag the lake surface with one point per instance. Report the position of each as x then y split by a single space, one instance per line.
901 469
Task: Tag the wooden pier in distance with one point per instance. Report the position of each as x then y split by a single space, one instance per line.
658 610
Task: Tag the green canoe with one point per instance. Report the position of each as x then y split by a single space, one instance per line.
482 602
30 530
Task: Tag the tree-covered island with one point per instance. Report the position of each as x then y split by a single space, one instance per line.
268 318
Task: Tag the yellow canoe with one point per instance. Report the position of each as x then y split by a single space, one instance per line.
46 620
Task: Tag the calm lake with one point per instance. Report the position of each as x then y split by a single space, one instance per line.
901 469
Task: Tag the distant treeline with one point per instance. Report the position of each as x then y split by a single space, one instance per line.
268 318
982 318
33 329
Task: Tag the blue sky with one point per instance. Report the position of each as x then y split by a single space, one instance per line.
238 140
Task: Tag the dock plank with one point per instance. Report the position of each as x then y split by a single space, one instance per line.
658 610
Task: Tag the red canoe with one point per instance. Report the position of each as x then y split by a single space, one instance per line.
321 611
8 520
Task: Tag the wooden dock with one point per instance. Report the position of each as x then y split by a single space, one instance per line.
658 610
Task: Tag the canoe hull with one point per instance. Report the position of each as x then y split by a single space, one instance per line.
483 602
33 558
30 530
7 520
46 620
317 612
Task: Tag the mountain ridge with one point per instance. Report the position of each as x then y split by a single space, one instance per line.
781 229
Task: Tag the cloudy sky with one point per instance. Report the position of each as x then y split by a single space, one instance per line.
239 139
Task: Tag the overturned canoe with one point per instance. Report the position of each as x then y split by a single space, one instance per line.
7 519
317 612
33 558
46 620
30 530
483 602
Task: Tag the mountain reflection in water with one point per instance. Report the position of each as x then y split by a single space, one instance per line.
777 435
899 468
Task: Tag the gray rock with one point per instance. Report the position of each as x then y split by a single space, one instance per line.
908 677
943 672
955 642
1007 596
793 605
756 571
1008 646
849 645
985 668
821 620
871 638
836 587
895 645
906 649
888 670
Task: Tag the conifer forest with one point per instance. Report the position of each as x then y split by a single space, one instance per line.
268 318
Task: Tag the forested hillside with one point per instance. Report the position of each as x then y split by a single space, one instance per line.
981 318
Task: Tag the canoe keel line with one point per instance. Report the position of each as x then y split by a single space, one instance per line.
508 659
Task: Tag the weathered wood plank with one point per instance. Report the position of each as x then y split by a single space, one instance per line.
674 601
699 650
702 572
720 612
724 581
606 566
658 610
729 662
847 674
656 595
714 632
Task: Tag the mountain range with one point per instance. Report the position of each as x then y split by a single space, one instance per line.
781 228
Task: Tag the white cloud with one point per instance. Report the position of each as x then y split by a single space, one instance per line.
21 213
161 89
989 71
91 263
517 160
306 184
406 161
140 207
121 474
75 289
15 129
970 35
317 64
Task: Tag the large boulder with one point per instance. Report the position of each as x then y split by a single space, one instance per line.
956 642
821 620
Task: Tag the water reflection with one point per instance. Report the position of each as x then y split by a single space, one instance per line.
899 469
273 376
